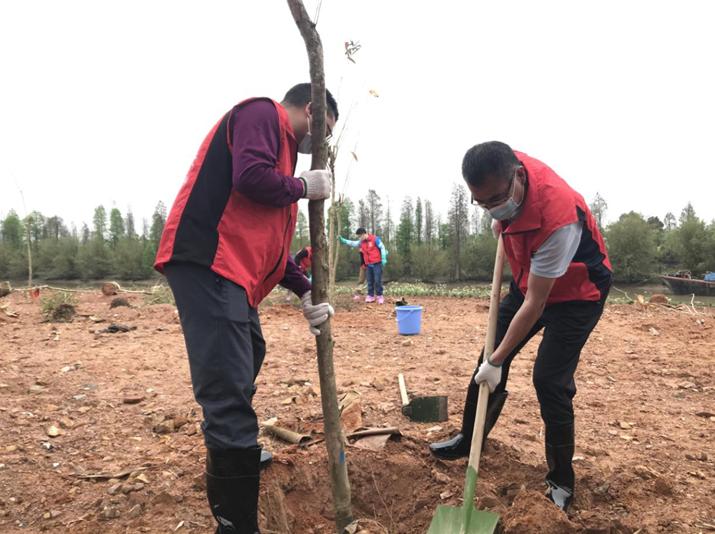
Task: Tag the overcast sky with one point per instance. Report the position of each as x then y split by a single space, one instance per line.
106 102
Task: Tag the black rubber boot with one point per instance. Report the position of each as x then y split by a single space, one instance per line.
266 456
458 446
559 455
232 485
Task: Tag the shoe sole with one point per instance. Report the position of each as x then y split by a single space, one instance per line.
448 457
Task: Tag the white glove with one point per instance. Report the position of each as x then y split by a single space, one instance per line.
317 184
489 373
495 228
315 314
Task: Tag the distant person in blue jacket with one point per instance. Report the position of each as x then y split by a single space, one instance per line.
374 254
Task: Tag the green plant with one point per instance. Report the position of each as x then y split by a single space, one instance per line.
59 306
397 289
160 294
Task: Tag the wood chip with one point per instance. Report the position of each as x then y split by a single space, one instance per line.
107 476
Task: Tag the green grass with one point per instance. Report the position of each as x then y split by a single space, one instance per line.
400 289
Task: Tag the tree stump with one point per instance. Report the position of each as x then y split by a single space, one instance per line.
64 313
5 289
118 302
658 298
110 289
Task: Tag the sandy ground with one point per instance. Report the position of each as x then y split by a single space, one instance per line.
128 454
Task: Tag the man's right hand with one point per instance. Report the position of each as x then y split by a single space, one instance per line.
316 184
489 373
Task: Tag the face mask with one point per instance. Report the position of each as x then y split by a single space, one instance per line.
306 145
504 211
507 209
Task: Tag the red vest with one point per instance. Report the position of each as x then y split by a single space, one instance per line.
370 251
212 224
549 205
306 261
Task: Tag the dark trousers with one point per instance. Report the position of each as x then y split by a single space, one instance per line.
374 279
226 350
567 327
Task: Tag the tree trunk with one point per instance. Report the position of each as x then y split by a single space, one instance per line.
334 440
334 267
332 248
29 259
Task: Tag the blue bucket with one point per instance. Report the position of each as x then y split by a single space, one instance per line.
409 320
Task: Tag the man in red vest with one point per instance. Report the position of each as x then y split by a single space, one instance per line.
225 246
562 276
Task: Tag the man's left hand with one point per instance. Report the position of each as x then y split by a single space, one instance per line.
315 314
489 373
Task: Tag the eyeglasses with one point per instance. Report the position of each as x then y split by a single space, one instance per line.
486 204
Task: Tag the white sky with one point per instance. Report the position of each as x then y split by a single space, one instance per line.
107 102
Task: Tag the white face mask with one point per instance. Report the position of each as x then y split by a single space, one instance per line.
306 144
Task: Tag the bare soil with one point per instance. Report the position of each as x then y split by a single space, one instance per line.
99 431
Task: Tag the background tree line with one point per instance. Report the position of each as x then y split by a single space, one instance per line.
423 244
112 246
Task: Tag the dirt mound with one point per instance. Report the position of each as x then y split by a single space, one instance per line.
533 512
391 487
401 487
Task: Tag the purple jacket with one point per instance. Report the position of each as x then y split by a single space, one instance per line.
255 143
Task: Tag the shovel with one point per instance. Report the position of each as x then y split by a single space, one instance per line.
467 519
422 409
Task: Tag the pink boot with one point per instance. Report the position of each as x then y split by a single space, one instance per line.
356 298
369 299
381 300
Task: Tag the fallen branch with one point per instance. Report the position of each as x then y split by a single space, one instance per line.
64 290
84 290
624 293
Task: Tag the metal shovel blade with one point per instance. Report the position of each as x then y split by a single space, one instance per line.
465 519
427 409
453 520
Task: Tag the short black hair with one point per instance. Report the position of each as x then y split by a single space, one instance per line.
491 159
360 231
299 95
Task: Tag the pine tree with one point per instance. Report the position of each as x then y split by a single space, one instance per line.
418 221
374 210
429 223
129 224
458 226
116 227
158 219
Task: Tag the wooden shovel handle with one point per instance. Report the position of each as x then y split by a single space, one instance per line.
403 390
477 437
